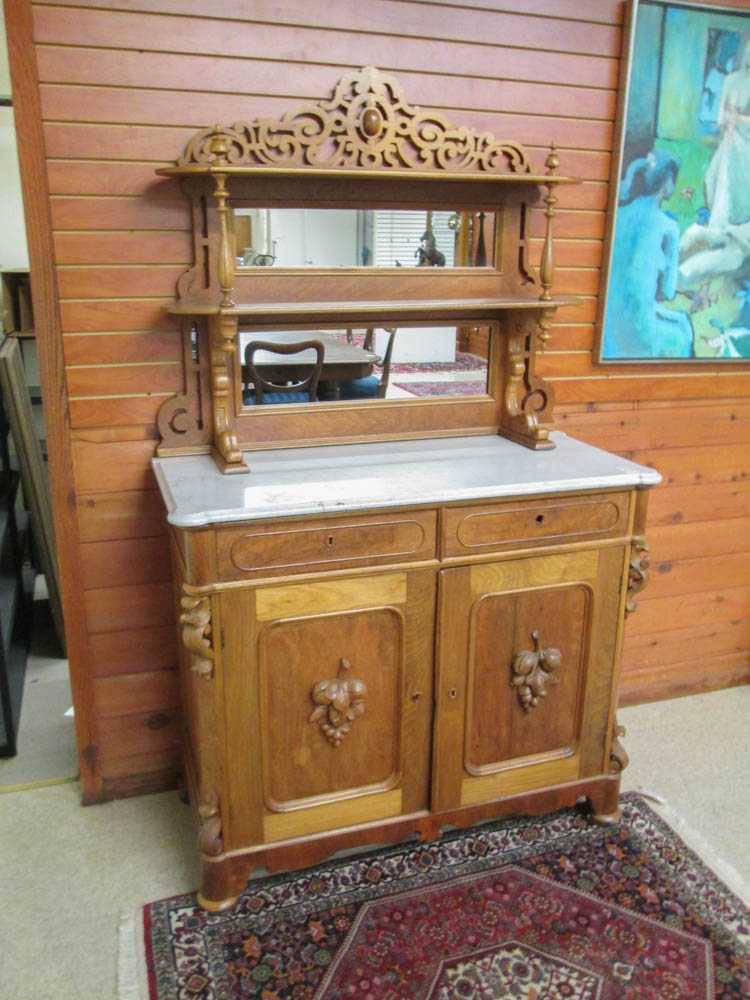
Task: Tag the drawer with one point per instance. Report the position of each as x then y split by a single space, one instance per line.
307 546
516 525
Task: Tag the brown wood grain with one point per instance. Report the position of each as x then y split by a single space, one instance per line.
143 605
709 502
134 650
116 563
103 516
683 610
689 677
98 380
132 694
123 248
393 18
697 642
119 349
32 153
117 411
182 108
124 85
112 467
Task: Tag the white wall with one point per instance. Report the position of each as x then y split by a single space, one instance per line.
13 252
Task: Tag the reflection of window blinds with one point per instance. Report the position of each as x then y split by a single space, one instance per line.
396 236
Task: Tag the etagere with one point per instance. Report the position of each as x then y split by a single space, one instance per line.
395 613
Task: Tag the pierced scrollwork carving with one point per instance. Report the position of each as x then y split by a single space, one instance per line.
618 758
339 700
533 670
210 834
367 123
639 571
196 631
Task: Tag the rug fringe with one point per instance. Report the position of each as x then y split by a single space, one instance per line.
696 840
128 978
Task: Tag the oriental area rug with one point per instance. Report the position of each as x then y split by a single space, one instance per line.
555 908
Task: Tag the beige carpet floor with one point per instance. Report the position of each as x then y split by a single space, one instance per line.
46 735
67 873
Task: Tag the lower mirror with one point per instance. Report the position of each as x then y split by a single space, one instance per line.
362 364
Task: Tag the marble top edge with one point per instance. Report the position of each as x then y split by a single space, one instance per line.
340 479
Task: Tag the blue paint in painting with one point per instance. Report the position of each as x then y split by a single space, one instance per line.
646 248
680 253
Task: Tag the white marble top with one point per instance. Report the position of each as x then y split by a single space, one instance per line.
342 478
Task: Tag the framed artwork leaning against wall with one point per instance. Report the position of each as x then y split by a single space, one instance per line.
677 256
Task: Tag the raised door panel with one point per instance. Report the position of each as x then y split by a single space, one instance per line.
331 689
512 714
526 673
328 693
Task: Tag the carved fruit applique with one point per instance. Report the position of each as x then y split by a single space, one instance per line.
339 701
533 670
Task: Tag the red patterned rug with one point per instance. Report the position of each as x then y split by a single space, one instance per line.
444 388
533 909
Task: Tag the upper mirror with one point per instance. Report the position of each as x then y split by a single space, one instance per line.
347 237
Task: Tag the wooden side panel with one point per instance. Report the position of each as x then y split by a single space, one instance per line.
123 86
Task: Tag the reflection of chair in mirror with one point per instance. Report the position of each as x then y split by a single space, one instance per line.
373 386
367 342
265 391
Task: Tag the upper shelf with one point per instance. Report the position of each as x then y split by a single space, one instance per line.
445 308
218 167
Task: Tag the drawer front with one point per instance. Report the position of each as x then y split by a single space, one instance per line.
305 546
514 525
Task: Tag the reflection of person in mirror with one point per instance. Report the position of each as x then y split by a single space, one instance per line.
721 245
637 325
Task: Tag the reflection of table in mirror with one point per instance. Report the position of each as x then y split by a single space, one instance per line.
341 361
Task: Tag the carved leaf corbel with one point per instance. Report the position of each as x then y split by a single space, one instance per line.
339 700
618 758
210 839
533 670
196 632
639 571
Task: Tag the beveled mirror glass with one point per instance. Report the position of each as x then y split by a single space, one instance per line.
349 238
405 363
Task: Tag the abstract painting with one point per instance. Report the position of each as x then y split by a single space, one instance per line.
677 272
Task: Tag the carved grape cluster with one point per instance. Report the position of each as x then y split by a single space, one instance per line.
339 701
532 670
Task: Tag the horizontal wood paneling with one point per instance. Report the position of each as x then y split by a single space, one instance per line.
134 651
124 85
106 516
140 606
133 694
116 563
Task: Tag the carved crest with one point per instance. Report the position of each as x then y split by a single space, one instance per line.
367 123
339 701
533 670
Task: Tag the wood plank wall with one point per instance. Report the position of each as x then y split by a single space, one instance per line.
123 85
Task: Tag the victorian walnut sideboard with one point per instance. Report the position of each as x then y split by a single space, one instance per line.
395 615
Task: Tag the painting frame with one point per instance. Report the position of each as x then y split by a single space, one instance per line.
716 345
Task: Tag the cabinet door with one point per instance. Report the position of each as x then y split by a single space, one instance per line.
527 652
328 694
